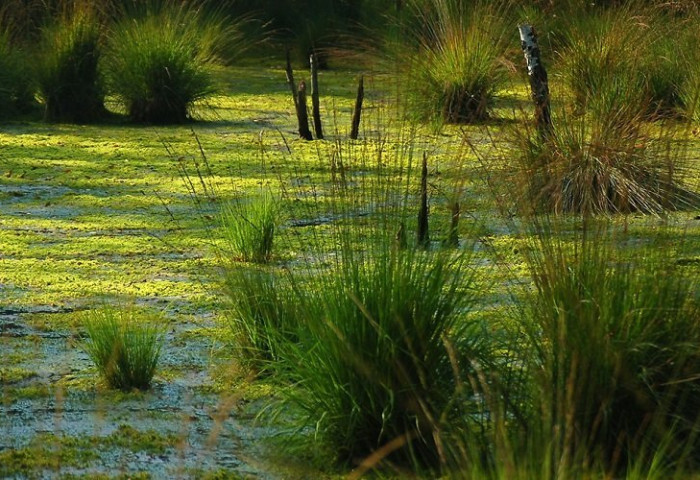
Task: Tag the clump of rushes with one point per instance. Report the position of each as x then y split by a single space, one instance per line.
641 52
602 51
383 337
459 65
16 84
603 162
124 345
161 59
614 349
69 78
261 314
248 226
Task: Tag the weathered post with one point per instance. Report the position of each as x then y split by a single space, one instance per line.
315 103
355 130
290 79
539 85
302 114
400 240
423 235
453 235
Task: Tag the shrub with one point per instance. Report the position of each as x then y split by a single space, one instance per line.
161 59
615 353
125 346
249 227
459 65
69 79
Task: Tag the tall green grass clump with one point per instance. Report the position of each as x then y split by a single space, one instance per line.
16 80
615 357
125 346
262 314
383 337
161 59
459 65
640 54
249 227
69 78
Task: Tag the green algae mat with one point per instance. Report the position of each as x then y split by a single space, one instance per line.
111 214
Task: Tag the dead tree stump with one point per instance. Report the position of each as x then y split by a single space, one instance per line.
315 103
423 236
357 112
302 114
539 85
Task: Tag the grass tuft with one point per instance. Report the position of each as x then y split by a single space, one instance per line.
161 60
69 78
614 340
459 65
249 227
125 346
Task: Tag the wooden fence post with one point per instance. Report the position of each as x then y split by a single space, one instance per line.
357 112
539 85
315 103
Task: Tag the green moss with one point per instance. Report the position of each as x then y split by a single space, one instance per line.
30 392
130 438
47 452
9 375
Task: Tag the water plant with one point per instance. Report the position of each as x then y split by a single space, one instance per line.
249 225
382 337
639 53
69 78
161 59
460 63
262 314
614 356
606 161
124 345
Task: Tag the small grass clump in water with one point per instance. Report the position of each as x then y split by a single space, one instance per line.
125 346
249 227
69 79
161 59
459 65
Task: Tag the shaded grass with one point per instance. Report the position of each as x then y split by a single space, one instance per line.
69 79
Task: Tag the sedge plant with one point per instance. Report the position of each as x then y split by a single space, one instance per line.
161 59
381 339
459 65
605 161
249 226
69 77
124 345
261 313
614 355
16 82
